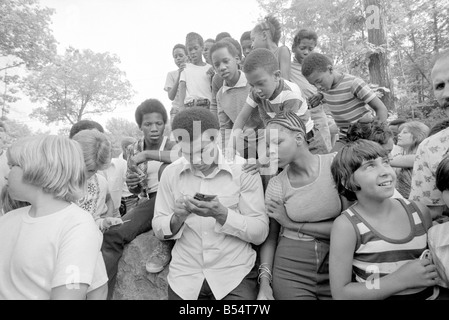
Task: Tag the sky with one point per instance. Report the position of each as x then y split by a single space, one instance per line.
142 34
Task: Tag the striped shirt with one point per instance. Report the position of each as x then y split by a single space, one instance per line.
376 254
287 97
347 101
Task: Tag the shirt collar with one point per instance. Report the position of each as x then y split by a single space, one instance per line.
241 82
223 164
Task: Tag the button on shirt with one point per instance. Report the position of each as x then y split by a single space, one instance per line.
221 254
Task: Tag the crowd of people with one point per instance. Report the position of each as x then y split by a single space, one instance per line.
273 176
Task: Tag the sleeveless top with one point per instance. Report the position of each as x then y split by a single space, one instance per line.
377 254
302 204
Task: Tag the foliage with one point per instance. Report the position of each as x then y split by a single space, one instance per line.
78 84
416 30
120 127
26 41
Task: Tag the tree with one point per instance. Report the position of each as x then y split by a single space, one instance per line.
119 127
25 41
378 64
78 84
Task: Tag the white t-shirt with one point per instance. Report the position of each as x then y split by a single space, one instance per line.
38 254
198 83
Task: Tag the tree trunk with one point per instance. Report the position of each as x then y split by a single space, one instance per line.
378 65
436 47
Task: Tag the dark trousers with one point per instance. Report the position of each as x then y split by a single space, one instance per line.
246 290
116 237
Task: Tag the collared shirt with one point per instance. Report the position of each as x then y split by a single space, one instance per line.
204 249
429 154
230 101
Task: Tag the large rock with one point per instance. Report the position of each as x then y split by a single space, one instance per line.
133 281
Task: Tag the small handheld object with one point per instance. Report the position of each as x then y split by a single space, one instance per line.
204 197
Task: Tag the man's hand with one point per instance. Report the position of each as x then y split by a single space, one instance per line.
212 208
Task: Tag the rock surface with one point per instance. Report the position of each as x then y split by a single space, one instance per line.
133 281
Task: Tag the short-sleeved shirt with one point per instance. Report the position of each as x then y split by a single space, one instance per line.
286 97
198 83
348 101
170 82
39 254
230 101
428 156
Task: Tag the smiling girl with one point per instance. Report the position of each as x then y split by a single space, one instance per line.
379 240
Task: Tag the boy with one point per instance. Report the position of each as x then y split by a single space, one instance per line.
172 82
207 45
304 43
195 81
348 97
246 43
271 95
217 80
232 96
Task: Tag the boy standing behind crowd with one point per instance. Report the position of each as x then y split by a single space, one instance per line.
271 95
232 96
348 97
195 83
304 43
172 82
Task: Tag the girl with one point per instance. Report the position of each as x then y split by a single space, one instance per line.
97 151
411 134
51 248
379 240
267 34
297 263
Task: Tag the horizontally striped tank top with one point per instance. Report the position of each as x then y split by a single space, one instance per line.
375 253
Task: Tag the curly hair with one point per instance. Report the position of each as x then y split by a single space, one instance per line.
315 62
193 36
150 106
304 34
261 58
192 122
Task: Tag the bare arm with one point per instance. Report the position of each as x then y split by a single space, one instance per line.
415 274
173 91
285 62
403 161
182 94
76 291
380 108
267 251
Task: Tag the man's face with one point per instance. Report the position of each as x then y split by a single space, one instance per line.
440 83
